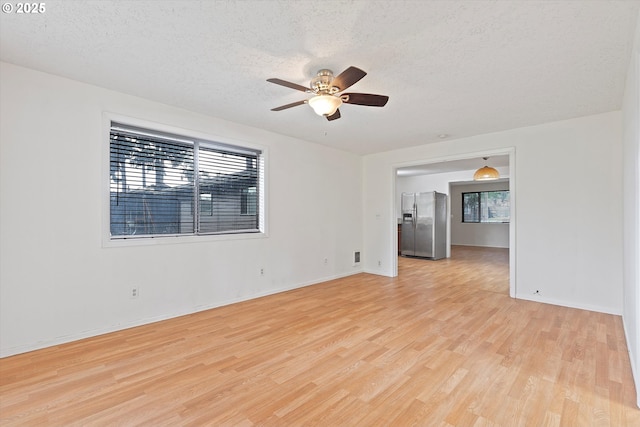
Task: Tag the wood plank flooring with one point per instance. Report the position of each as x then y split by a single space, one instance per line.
440 345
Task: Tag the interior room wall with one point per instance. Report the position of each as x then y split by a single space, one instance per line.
58 282
492 235
568 230
631 120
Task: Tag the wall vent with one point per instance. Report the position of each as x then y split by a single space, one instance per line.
356 257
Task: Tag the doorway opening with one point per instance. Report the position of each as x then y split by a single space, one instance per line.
468 245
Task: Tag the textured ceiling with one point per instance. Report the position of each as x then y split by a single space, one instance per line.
460 68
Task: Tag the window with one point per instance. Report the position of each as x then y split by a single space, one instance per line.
163 184
486 206
249 201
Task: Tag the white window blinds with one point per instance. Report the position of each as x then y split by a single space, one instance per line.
164 184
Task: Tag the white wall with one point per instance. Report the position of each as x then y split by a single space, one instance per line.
493 235
631 115
568 230
57 281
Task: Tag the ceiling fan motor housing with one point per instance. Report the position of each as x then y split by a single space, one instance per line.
321 84
326 89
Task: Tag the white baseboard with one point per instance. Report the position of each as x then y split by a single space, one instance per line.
632 359
562 303
63 339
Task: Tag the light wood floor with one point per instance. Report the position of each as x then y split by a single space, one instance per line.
441 345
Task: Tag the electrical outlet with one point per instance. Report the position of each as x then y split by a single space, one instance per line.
379 263
262 271
134 292
326 261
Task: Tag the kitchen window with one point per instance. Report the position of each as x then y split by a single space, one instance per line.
486 207
164 184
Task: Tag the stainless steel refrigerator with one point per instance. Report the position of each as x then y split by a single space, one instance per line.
424 225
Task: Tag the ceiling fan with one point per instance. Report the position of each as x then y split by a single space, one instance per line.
327 90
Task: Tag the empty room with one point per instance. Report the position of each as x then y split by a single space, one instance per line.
337 213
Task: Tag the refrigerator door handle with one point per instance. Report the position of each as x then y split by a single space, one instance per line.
415 214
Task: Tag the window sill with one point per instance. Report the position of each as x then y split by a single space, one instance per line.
108 242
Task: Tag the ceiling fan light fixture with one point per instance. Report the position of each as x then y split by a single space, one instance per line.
326 89
486 173
325 105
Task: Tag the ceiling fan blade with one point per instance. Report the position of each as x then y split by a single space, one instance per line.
289 85
334 116
293 104
365 99
347 78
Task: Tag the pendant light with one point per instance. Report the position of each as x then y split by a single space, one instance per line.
486 173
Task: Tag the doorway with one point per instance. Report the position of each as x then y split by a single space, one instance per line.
442 173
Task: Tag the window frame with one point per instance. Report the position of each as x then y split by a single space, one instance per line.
108 240
479 207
